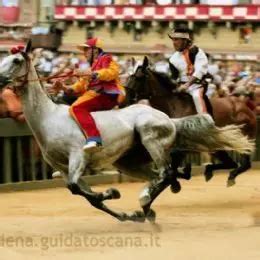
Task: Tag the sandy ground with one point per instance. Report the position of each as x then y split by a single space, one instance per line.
204 221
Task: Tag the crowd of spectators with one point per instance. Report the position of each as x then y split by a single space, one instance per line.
237 79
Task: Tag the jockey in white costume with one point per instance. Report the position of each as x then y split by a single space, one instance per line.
189 65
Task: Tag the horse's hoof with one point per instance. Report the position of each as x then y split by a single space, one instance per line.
187 172
175 187
145 197
151 215
122 217
138 216
113 193
208 176
208 173
186 176
231 182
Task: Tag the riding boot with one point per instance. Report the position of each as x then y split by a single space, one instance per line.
93 144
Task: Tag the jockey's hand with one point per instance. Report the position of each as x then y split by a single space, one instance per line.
183 87
55 88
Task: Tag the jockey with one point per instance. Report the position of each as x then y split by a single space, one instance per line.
189 65
98 89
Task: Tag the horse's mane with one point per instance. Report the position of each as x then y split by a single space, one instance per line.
165 80
170 86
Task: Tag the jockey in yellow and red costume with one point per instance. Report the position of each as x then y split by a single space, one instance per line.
98 89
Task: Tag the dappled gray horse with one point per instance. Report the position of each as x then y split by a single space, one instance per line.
137 139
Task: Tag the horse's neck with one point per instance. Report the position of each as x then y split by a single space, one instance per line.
175 105
37 106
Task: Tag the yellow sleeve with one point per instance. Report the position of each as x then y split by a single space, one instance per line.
110 73
80 86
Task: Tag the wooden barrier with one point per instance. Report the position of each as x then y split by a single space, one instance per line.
20 157
21 160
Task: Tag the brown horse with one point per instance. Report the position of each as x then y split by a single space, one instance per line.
162 94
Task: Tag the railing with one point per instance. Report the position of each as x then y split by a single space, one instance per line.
21 160
158 12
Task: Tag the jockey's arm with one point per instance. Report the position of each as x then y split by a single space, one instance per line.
185 86
77 88
59 86
109 73
200 67
191 81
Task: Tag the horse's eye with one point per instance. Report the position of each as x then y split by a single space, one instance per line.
17 61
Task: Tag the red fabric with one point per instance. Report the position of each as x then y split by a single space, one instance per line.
83 116
17 49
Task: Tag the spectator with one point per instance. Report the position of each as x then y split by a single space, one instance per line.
12 104
245 34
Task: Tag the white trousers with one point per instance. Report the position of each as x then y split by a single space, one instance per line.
196 91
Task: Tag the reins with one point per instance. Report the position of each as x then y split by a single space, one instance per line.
23 79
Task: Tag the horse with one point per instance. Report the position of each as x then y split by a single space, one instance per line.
161 91
137 139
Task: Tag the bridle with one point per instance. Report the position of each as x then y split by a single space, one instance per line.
20 81
136 95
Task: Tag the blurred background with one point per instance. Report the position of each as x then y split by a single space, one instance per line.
227 29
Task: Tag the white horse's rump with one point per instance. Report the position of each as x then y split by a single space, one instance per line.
119 127
61 140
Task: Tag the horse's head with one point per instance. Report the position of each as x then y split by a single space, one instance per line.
15 67
137 85
146 83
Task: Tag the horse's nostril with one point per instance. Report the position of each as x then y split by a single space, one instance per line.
4 81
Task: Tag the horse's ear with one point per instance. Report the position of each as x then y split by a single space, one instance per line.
28 46
145 63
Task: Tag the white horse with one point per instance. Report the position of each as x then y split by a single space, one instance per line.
61 140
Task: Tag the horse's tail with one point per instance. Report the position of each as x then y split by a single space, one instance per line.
199 133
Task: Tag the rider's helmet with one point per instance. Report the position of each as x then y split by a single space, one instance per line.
91 43
181 33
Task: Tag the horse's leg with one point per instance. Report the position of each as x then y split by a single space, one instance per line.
156 135
77 186
226 162
152 191
245 164
177 157
96 199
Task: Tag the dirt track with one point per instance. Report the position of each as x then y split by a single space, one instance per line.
204 221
